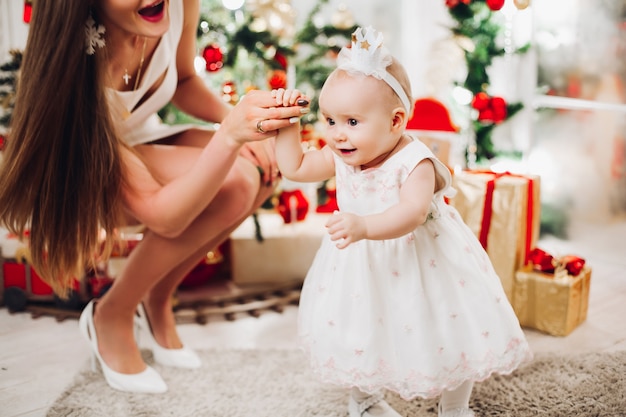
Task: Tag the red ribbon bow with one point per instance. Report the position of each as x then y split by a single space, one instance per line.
544 262
293 206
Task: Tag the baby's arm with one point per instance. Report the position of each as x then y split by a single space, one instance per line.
410 212
293 162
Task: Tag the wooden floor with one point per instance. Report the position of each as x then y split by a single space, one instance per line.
39 357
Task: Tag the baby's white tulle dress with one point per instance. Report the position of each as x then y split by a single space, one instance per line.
415 315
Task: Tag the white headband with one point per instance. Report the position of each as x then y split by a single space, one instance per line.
368 56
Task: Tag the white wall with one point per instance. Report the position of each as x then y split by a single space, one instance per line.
13 30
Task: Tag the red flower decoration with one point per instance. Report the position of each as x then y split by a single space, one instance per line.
28 11
490 109
495 5
480 101
453 3
278 79
213 56
281 59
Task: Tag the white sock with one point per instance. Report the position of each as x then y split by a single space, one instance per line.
458 398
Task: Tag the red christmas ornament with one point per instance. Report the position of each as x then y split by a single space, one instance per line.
278 79
490 109
292 206
229 92
213 57
454 3
28 11
495 5
281 59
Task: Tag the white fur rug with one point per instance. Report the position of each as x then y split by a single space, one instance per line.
278 383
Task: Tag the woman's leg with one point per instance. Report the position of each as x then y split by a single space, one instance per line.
158 259
158 301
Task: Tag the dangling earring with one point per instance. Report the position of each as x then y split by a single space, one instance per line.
94 35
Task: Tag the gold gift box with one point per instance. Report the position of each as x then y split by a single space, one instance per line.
552 304
508 227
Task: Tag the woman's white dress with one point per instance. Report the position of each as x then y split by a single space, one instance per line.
416 315
135 112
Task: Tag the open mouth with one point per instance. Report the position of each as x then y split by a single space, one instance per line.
153 10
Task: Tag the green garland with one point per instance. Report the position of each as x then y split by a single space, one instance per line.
8 84
316 65
477 22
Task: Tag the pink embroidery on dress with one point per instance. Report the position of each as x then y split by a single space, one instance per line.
462 282
436 235
433 263
485 334
331 323
358 352
453 315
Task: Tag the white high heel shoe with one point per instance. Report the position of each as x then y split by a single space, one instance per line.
179 358
147 381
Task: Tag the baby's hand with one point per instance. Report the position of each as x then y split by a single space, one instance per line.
346 228
288 98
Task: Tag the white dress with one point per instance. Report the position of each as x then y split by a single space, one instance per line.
415 315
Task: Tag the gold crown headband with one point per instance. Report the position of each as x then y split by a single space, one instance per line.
368 56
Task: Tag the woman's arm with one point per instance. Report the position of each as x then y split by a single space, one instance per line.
169 205
192 95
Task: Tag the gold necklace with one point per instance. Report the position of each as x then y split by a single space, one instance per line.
143 55
127 76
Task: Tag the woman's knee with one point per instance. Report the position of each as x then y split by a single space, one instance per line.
239 192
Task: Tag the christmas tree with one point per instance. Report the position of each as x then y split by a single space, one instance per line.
258 47
8 82
477 29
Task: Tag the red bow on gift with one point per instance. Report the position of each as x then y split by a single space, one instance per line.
544 262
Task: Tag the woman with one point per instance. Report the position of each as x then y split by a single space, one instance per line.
87 153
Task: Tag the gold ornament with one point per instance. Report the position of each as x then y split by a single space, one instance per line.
521 4
274 16
342 18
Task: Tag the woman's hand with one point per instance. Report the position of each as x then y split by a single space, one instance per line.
262 155
257 117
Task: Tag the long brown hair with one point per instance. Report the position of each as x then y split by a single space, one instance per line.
62 168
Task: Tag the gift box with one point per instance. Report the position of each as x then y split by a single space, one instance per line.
554 303
284 253
503 211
